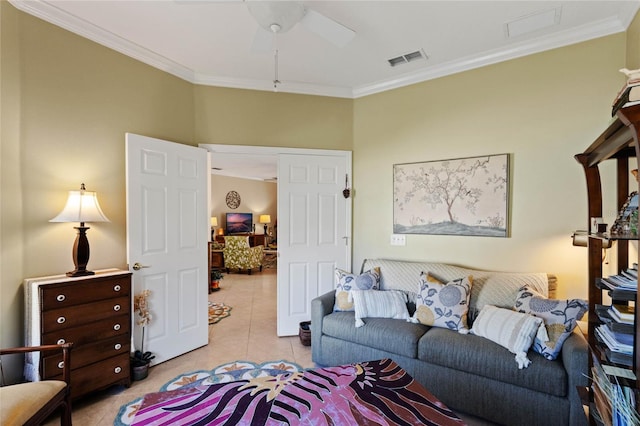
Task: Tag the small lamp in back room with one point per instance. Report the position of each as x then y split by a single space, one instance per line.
82 206
266 219
214 223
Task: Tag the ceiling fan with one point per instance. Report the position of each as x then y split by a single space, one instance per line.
277 17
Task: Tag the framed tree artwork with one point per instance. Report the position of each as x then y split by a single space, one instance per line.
464 196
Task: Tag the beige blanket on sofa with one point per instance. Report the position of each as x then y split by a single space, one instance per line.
489 287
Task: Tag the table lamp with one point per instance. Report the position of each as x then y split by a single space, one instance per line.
214 223
82 206
265 218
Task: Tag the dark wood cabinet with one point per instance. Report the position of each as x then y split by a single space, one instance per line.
619 143
92 312
254 239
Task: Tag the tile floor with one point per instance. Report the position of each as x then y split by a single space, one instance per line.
248 334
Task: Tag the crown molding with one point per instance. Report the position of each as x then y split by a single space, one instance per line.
56 16
601 28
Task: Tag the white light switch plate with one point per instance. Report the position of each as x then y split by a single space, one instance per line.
398 240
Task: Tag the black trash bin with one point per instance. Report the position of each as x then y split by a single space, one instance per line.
305 333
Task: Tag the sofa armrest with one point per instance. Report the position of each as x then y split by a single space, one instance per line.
321 306
575 357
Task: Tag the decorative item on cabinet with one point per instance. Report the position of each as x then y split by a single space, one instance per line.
82 206
93 312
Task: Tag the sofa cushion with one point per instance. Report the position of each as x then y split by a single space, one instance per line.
482 357
379 304
560 318
443 304
345 282
392 335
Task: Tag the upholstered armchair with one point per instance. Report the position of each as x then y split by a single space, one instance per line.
239 255
32 403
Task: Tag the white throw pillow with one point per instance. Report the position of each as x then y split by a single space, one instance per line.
512 330
379 304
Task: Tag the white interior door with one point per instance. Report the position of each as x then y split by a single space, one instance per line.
314 232
167 236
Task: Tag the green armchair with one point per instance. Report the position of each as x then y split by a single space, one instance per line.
239 255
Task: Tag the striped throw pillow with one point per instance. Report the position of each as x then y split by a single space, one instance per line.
512 330
379 304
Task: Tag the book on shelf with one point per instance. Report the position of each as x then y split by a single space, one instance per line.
632 274
625 313
620 282
605 317
610 339
629 96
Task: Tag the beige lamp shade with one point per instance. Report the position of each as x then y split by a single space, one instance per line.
82 206
214 222
264 218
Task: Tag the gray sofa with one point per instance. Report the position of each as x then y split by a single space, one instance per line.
468 373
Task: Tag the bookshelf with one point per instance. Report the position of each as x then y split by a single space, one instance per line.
619 143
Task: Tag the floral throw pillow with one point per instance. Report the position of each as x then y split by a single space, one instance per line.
560 318
443 305
345 282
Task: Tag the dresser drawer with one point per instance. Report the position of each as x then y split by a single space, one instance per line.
58 319
87 354
91 332
55 296
99 375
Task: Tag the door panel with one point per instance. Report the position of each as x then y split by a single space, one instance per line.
314 233
168 233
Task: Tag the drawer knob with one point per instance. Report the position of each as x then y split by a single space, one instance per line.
61 365
117 346
61 320
116 308
61 297
116 327
61 341
117 287
117 370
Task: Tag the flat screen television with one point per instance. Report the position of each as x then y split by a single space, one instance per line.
239 223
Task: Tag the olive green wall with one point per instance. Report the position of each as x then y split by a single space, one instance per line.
66 105
541 109
257 118
633 44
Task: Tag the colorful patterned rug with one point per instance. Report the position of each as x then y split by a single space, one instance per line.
237 370
371 393
218 311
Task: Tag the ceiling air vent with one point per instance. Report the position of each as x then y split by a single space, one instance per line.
408 57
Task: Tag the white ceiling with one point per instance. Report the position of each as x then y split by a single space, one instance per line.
210 42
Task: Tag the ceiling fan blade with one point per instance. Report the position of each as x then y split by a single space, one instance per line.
263 41
327 28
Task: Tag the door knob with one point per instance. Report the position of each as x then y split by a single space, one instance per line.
137 266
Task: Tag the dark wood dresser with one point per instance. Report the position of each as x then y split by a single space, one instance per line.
92 312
